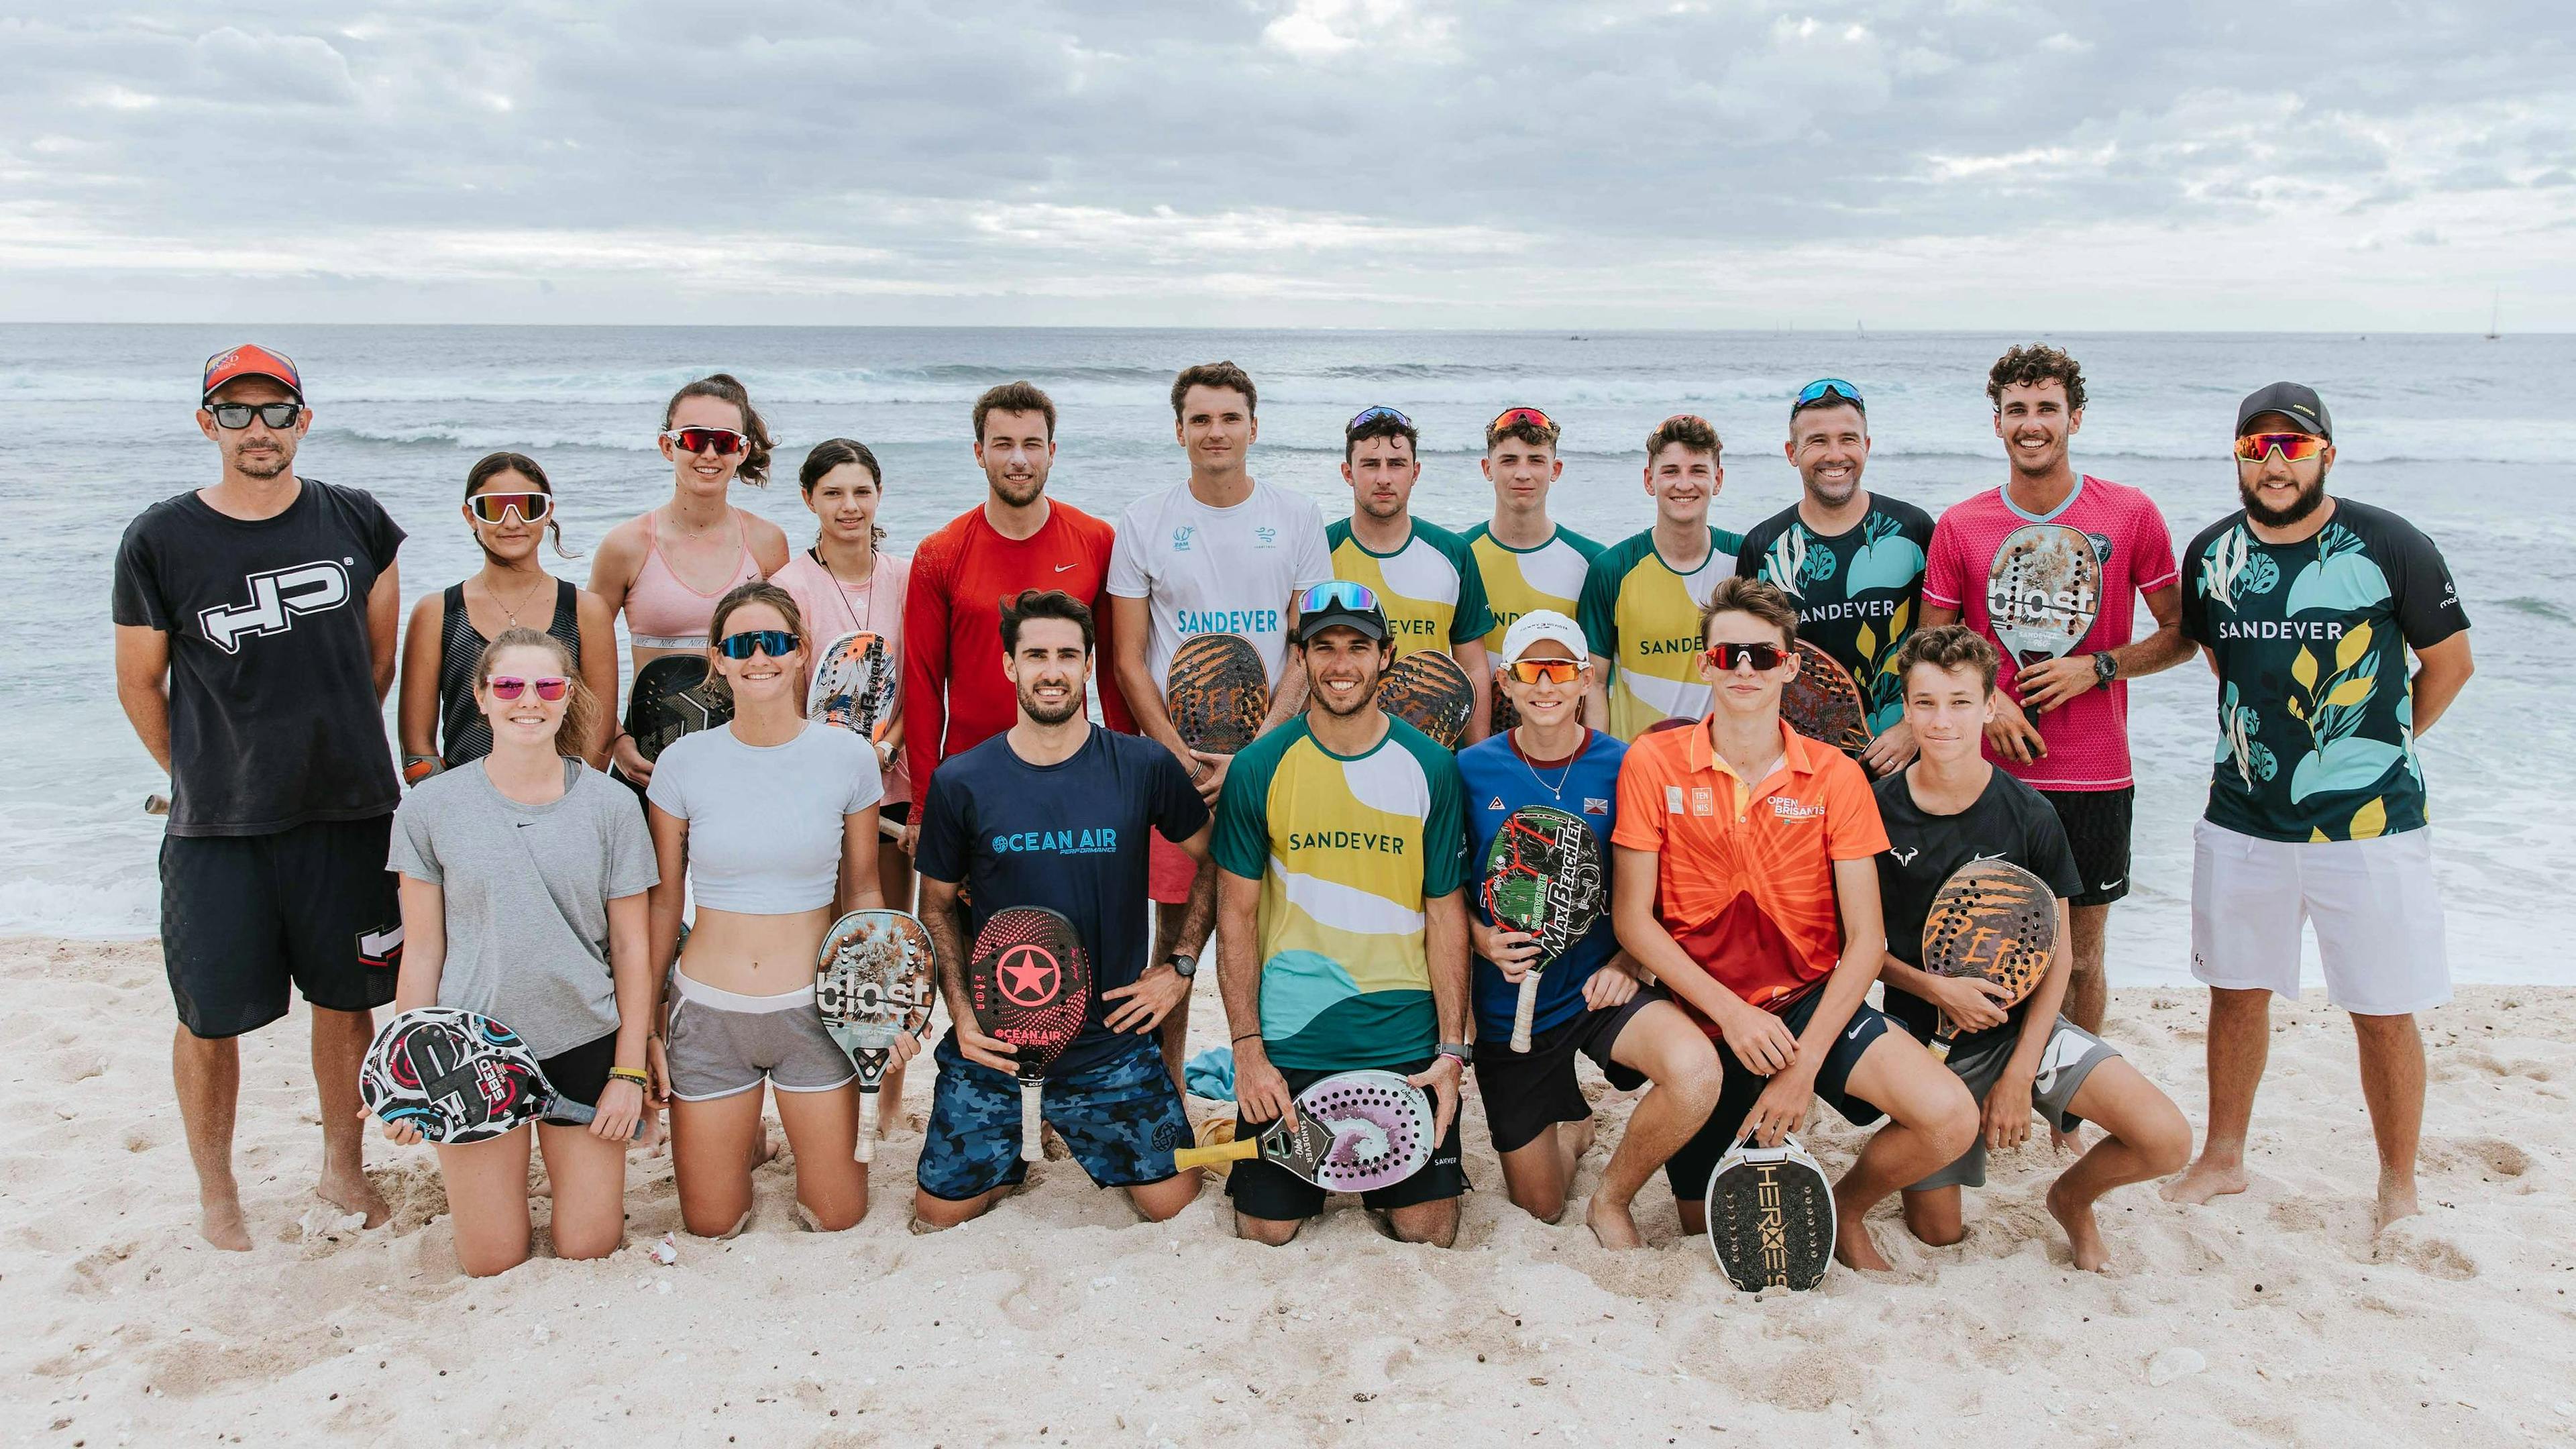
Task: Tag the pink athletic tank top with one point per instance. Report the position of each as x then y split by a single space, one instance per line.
662 611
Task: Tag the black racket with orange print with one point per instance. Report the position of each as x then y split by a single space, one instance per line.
1431 692
1824 704
1991 920
1029 981
1217 693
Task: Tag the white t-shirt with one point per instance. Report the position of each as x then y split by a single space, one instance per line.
765 821
1219 570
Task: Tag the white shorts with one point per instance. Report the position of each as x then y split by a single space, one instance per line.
2378 917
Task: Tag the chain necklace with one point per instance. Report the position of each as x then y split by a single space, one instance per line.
541 581
1558 789
867 585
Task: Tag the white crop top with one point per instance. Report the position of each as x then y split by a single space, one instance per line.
765 821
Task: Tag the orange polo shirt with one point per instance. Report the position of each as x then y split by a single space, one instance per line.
1745 878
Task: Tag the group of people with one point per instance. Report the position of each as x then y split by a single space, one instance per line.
539 867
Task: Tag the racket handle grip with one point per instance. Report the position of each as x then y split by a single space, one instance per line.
1031 1150
1942 1038
1525 1012
1241 1149
867 1122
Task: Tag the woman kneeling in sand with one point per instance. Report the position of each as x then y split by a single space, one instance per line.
523 897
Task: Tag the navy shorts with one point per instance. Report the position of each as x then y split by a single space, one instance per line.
1528 1092
2096 823
1687 1172
245 916
1263 1189
1121 1116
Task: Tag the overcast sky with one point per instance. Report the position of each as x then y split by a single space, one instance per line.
1912 163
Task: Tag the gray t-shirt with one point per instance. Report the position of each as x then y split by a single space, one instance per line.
528 888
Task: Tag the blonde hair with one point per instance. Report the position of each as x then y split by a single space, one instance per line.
581 707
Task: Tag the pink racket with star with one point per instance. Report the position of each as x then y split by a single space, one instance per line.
1029 981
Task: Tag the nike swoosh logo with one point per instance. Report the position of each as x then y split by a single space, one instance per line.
1854 1033
1060 568
2112 885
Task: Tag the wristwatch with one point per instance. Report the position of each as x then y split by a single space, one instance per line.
1458 1049
1183 964
2105 668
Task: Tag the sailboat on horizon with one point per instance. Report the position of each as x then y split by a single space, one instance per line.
2495 311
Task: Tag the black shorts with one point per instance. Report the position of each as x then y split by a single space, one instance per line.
1528 1092
581 1073
1266 1190
243 915
1687 1172
2097 831
900 812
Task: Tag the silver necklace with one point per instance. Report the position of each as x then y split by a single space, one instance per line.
1556 790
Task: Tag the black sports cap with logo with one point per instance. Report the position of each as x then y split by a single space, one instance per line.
2294 400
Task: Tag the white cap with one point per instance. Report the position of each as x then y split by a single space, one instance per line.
1543 624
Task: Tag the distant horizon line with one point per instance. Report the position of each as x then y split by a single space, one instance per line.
1572 334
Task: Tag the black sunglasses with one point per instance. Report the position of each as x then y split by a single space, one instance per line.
776 643
237 415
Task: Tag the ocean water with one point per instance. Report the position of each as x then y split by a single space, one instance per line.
2474 440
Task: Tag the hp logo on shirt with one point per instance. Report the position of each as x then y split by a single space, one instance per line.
276 597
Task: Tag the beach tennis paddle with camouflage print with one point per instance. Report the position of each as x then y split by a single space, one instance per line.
1351 1132
1431 692
1771 1217
1824 704
1543 876
1994 921
853 685
1217 693
1030 983
675 695
872 985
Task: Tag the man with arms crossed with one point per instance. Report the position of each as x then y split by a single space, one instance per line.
955 695
1642 596
1341 934
1949 808
1588 998
1218 554
1048 813
2002 561
255 625
1850 559
1424 576
1527 560
2307 604
1742 880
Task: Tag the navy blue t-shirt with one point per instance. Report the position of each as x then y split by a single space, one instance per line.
1069 837
1498 781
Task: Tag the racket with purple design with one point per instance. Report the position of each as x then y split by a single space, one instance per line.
1543 876
853 685
1217 693
459 1077
1351 1132
1992 920
872 985
1030 983
1823 704
1431 692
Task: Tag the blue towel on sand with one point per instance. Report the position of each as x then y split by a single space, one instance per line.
1211 1074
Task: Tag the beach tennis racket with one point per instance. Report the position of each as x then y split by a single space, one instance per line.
872 985
1543 876
1990 919
1504 716
1351 1132
1670 722
1771 1217
1431 692
1823 704
853 685
675 695
2043 591
460 1077
1217 693
1030 982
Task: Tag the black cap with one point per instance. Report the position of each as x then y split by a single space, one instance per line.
2294 400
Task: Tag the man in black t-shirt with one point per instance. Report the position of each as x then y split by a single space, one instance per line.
1054 812
255 625
1951 807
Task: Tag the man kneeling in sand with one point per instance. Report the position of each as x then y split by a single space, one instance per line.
1950 807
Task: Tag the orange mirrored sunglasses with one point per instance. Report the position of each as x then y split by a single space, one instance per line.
2294 447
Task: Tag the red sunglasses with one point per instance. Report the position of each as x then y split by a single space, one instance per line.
509 686
1761 656
723 442
2294 447
1510 416
493 507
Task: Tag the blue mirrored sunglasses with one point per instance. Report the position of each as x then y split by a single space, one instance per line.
1825 387
776 643
1336 594
1369 415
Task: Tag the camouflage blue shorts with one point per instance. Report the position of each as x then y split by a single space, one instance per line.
1121 1116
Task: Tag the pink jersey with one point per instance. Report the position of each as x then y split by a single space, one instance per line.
2044 588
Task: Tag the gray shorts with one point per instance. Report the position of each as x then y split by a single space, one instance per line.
722 1043
2070 1056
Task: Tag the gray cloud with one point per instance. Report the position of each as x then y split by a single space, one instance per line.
1295 161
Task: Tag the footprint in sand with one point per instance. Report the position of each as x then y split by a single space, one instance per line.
2433 1256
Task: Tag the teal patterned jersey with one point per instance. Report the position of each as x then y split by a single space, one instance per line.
1858 593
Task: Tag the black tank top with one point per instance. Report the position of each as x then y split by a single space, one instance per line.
463 733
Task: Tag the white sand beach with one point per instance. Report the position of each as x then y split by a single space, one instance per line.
2276 1317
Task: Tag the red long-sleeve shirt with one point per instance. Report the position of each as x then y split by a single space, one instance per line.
955 695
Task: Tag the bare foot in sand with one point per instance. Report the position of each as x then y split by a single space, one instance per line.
2396 1197
352 1193
1852 1245
1611 1223
219 1219
2204 1180
2083 1235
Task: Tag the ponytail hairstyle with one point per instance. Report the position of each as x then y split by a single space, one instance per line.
581 707
724 387
493 465
831 453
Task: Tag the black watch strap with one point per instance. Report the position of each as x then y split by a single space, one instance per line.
2106 666
1183 964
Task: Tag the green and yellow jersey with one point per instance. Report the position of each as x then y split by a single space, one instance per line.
1347 850
1433 595
1523 580
1644 618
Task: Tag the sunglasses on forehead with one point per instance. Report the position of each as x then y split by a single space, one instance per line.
1336 594
1828 387
1760 656
2293 447
493 507
723 442
1513 417
1366 416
